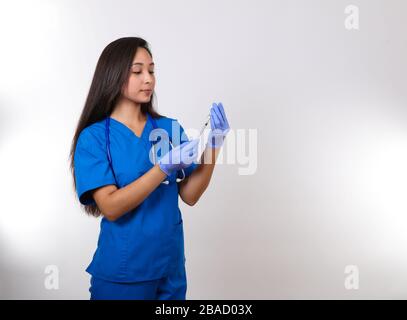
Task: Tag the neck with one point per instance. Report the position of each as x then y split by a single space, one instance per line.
128 112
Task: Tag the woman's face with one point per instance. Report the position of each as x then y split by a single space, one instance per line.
141 78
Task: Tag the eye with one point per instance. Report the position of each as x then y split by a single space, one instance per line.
152 72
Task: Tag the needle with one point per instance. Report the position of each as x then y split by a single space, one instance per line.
200 134
204 126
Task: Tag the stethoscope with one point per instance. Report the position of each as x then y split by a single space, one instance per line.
109 156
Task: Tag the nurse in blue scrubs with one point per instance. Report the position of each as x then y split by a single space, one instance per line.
134 186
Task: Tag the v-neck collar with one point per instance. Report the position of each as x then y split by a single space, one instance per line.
129 131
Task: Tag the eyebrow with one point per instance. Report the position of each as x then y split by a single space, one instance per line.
152 63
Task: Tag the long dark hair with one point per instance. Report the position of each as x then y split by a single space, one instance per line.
111 74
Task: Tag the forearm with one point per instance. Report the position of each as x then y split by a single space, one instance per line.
129 197
192 188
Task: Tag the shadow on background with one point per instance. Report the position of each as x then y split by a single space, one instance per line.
6 271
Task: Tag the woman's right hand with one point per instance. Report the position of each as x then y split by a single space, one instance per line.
180 157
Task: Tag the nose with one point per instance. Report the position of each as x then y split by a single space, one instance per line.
149 78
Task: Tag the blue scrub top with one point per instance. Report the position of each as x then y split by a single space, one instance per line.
147 242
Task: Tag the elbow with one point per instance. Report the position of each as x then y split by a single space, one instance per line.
113 214
110 215
191 199
191 202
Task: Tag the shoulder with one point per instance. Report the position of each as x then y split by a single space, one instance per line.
92 135
167 122
164 120
173 127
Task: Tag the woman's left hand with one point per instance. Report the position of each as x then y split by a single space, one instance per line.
219 126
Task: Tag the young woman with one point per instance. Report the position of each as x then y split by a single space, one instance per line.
140 250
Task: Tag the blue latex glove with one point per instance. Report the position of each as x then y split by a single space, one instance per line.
219 126
180 157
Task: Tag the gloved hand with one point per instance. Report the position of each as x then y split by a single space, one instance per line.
219 126
180 157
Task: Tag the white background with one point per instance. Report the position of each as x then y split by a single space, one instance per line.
329 105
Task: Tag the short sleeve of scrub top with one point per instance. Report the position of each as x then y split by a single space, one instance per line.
92 168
